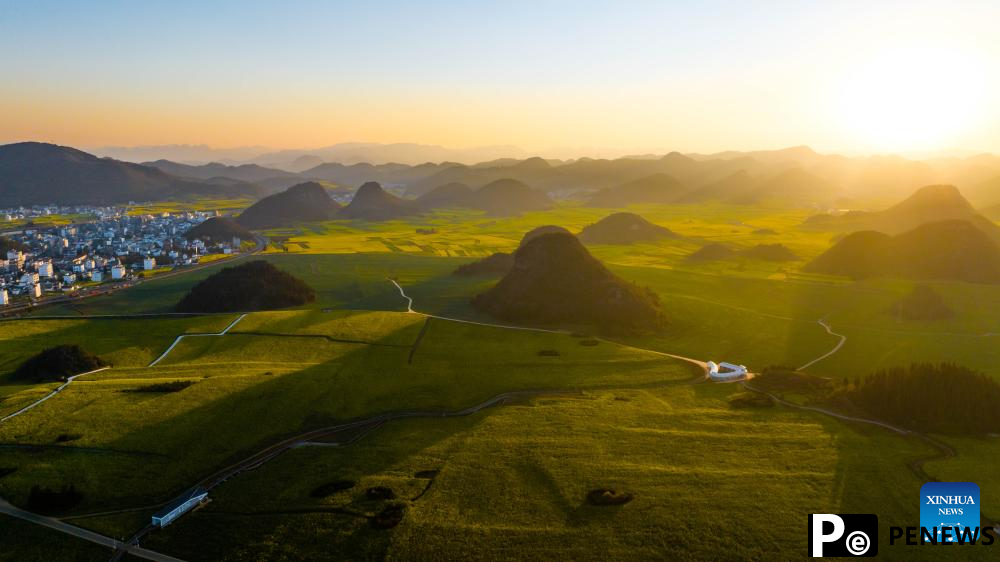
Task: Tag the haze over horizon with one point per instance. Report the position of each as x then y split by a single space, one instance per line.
556 79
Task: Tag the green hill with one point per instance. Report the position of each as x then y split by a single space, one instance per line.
509 197
256 285
623 228
300 203
931 203
218 229
373 203
947 250
555 280
500 263
769 252
711 252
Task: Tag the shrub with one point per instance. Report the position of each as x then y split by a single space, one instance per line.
331 488
607 496
58 363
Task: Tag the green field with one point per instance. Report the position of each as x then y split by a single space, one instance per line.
706 477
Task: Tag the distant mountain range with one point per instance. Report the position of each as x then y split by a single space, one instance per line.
296 160
503 197
37 173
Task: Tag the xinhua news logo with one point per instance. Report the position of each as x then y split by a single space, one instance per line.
950 511
837 534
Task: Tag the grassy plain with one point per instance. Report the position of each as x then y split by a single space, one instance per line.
511 477
511 484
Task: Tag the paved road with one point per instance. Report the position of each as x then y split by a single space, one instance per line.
182 336
53 393
81 533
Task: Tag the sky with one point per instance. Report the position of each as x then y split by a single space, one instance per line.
547 76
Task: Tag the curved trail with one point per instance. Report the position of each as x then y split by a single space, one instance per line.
409 309
182 336
51 394
836 348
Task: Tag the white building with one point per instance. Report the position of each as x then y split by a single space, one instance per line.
725 372
36 291
117 272
29 279
180 507
4 297
149 264
45 269
97 276
69 278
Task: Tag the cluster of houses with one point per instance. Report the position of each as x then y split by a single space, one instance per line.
115 246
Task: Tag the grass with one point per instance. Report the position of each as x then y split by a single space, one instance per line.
253 389
28 542
512 484
707 478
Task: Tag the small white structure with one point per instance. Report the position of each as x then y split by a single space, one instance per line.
117 272
36 291
4 297
29 278
45 269
149 264
69 278
726 372
97 276
178 508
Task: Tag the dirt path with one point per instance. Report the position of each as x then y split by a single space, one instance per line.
409 309
836 348
182 336
51 394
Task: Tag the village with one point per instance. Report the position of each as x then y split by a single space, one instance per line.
114 247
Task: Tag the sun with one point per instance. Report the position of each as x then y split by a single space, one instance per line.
912 99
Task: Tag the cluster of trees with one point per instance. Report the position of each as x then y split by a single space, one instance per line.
938 398
47 500
57 363
256 285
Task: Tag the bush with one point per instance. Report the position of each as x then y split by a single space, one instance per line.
389 517
172 386
47 501
331 488
58 363
607 496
